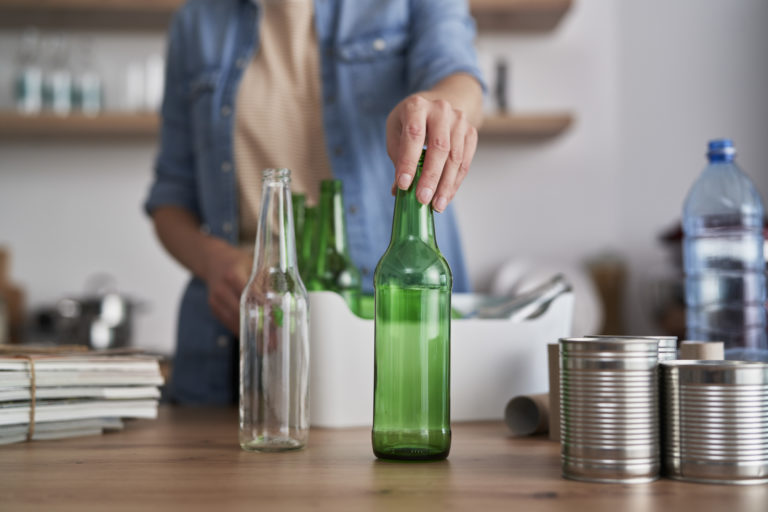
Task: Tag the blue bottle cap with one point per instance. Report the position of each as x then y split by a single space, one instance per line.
721 150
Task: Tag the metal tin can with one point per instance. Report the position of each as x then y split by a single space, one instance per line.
715 427
609 409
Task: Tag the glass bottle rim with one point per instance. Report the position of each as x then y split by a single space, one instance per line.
277 174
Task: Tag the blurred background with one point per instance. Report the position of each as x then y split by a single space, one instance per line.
598 117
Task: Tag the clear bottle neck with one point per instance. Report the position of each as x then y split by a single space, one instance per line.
275 238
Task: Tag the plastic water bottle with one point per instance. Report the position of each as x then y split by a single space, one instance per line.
723 256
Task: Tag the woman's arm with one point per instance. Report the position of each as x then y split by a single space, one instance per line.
446 110
173 200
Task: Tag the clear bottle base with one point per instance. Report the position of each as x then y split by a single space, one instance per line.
272 444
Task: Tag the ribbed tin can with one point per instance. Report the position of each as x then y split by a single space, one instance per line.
715 427
609 409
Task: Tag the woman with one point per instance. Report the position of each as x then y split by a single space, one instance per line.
328 88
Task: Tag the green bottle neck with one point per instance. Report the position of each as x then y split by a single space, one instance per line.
309 235
413 219
333 232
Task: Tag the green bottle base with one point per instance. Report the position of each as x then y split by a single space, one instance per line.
430 445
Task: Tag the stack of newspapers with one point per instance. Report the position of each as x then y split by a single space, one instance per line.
59 395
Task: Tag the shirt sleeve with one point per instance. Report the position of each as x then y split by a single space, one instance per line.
442 43
174 177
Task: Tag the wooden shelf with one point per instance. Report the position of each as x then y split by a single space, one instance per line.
126 126
525 126
493 15
78 126
133 15
519 15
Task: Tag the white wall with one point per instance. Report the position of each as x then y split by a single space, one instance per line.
649 82
554 200
70 211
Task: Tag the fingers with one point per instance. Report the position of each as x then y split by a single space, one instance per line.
439 124
451 145
224 299
447 186
470 147
236 278
222 308
413 119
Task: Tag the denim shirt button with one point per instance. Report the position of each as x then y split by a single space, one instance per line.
338 151
226 111
366 271
226 166
352 209
227 227
222 341
330 99
240 63
379 44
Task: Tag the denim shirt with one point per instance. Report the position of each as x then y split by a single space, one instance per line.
373 54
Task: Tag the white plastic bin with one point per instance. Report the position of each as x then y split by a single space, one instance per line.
491 361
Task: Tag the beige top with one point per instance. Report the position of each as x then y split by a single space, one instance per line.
278 115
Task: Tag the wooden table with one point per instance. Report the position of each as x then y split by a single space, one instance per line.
189 459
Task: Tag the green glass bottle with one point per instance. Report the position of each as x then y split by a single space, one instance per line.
308 243
299 213
333 269
367 307
412 282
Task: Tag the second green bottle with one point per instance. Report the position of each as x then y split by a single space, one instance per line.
333 269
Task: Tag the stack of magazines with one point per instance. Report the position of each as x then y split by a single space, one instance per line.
54 395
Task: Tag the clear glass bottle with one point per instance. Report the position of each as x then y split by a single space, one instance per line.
412 282
28 92
274 331
57 82
334 270
87 91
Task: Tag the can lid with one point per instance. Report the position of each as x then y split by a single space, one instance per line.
719 373
630 337
609 345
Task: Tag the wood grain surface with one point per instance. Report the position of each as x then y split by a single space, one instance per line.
189 460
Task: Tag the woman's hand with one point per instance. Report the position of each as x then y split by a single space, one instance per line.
225 273
223 268
431 118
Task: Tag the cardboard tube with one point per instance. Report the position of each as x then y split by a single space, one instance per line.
702 350
527 414
553 356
